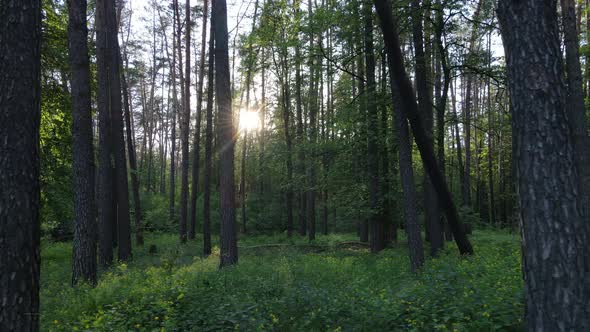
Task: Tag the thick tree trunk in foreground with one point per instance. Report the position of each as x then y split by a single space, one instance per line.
227 190
20 90
84 255
555 236
402 82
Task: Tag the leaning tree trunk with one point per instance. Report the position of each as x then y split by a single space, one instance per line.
229 248
555 236
84 255
20 99
402 82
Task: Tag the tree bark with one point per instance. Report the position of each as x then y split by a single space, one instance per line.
84 251
577 117
555 235
20 100
377 242
227 193
402 82
184 132
197 138
209 144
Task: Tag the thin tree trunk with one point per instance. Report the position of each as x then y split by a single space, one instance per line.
197 137
209 143
184 132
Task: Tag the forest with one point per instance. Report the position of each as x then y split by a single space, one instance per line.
289 165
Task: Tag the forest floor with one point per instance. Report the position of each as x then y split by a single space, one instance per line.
289 285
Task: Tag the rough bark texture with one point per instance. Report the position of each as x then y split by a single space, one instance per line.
229 248
84 250
555 236
20 90
408 101
577 117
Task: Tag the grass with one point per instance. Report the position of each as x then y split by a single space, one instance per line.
290 287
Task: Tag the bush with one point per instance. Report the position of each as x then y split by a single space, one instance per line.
290 288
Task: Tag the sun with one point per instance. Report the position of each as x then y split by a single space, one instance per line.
248 120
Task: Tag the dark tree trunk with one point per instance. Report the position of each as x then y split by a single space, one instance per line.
116 112
132 163
209 144
376 218
175 107
577 117
312 134
406 173
184 132
197 138
555 235
299 132
182 225
402 82
423 77
106 193
20 100
84 254
227 193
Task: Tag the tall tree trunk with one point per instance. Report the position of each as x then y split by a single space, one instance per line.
415 246
299 130
423 77
376 217
84 251
182 225
209 143
132 160
556 237
184 132
106 193
312 132
577 117
402 82
20 114
229 248
175 107
113 74
197 138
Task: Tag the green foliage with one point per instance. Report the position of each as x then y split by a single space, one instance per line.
290 286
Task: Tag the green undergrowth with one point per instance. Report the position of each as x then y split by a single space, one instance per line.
283 284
